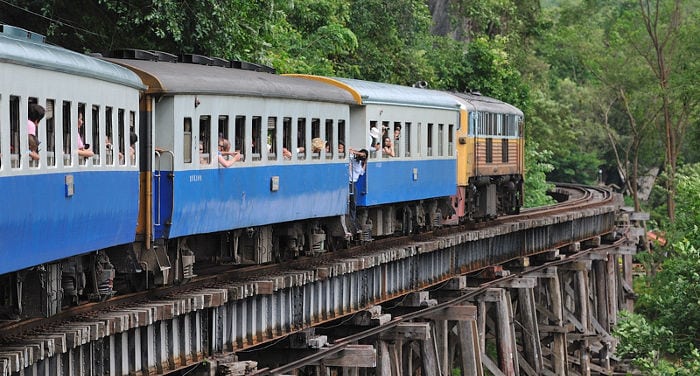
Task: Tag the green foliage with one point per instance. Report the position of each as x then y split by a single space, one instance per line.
639 338
395 39
673 298
536 167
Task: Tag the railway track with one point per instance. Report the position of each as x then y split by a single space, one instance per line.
578 197
141 309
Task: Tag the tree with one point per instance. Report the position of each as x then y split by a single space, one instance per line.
658 43
536 167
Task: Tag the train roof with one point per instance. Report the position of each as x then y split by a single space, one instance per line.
367 92
477 102
187 78
21 47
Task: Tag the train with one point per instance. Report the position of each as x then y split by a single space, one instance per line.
146 164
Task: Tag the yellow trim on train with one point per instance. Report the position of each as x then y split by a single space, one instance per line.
355 95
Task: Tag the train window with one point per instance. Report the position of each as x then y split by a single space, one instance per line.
419 139
187 140
67 139
341 139
81 131
94 121
489 150
431 140
109 137
504 150
287 138
407 137
256 137
239 142
33 140
223 127
395 135
205 140
315 133
301 137
375 135
330 139
481 123
450 140
441 140
15 148
123 132
50 146
272 138
512 122
133 138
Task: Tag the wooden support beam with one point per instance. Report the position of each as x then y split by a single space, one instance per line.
456 313
530 332
507 356
601 294
518 283
364 356
559 354
625 250
469 348
611 274
418 299
408 330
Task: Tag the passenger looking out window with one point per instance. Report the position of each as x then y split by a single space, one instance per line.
36 113
83 148
388 147
227 157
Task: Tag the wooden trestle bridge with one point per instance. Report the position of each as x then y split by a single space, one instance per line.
535 294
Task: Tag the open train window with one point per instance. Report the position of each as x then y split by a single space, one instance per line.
223 127
33 141
329 139
67 139
431 140
204 140
50 133
272 148
407 138
109 140
123 132
301 137
94 120
341 139
315 133
287 138
239 142
15 148
451 140
82 130
504 150
133 138
395 135
256 138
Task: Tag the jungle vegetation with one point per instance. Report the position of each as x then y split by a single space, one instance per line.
609 89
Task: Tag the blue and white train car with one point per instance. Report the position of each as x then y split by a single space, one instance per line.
267 204
59 204
409 190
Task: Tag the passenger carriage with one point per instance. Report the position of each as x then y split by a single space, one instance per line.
409 191
265 207
63 205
